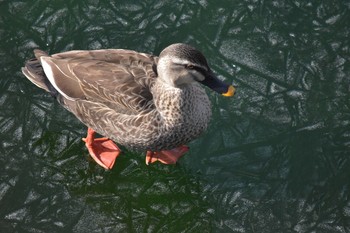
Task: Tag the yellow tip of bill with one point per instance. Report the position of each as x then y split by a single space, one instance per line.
230 92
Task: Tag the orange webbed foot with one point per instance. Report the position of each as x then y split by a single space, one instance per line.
166 156
103 150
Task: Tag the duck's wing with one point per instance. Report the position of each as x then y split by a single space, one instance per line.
119 79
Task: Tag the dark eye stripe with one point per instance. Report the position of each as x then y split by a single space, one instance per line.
199 69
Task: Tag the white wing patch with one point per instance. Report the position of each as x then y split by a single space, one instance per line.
50 75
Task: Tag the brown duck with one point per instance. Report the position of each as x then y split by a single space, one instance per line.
143 102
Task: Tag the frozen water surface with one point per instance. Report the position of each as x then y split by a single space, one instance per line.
274 159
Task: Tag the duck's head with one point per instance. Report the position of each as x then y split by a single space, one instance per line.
181 64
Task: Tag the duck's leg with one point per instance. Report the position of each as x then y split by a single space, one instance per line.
103 150
166 156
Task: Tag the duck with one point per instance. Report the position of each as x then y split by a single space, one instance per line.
143 102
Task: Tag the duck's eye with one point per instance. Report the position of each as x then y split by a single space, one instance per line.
189 66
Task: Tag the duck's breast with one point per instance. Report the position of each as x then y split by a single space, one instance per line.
185 114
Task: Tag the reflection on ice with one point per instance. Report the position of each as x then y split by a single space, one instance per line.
3 189
18 215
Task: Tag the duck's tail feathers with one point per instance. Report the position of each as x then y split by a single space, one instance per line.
35 72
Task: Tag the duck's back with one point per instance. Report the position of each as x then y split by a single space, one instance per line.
119 78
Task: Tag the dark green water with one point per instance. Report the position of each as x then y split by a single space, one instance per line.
276 157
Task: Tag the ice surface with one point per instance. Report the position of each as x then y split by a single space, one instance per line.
275 158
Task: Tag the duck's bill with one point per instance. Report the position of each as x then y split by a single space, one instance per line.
219 86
